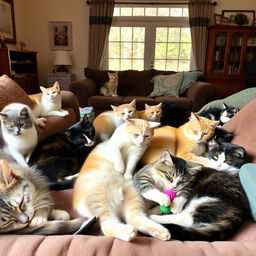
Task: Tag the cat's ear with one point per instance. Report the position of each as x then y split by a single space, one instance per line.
115 108
24 112
3 116
43 89
8 174
214 124
194 170
225 106
130 122
193 117
166 156
240 152
153 124
133 103
159 105
146 106
56 86
85 119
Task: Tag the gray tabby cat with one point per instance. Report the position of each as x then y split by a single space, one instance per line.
18 132
26 206
210 205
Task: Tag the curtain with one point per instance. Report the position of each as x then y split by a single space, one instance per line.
101 15
200 14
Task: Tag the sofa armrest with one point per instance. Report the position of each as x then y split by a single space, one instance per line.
200 93
83 89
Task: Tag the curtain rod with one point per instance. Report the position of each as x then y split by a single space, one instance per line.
151 3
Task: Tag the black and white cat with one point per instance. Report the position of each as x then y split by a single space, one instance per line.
209 206
63 154
223 114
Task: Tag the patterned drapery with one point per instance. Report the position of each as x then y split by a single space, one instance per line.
200 14
101 15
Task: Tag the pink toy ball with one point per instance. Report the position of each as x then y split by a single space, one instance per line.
171 193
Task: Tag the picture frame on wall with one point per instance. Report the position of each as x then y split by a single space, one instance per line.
217 18
230 14
60 35
7 21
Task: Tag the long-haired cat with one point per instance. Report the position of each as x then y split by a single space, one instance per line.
110 87
106 122
209 206
63 154
102 190
49 102
18 132
26 204
151 113
187 141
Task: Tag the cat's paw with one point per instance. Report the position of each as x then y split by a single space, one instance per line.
128 176
164 200
65 113
126 232
59 215
162 233
176 208
38 221
41 121
119 168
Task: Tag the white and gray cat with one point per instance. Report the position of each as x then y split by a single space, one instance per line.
18 132
26 204
209 206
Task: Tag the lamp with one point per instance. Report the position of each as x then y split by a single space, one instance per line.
62 59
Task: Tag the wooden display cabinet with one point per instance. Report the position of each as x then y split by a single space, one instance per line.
21 66
229 49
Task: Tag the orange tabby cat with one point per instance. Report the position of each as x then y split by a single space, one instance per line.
186 141
151 113
106 122
110 87
102 190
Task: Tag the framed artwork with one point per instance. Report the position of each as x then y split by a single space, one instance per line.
224 20
217 18
60 35
230 14
7 21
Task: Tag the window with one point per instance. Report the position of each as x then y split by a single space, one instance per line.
146 37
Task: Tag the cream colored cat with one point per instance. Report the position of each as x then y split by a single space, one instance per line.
110 87
102 190
106 122
186 141
151 113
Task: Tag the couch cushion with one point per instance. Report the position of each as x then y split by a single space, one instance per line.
11 92
184 102
162 72
104 102
140 101
188 79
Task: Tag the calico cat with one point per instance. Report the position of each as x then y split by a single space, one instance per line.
106 122
63 154
229 157
18 132
209 206
187 141
110 87
48 103
102 190
223 114
151 113
26 204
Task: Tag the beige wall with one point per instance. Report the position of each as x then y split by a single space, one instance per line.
32 17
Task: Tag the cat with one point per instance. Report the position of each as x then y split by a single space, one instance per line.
18 132
110 87
151 113
209 205
106 122
187 141
229 157
26 204
102 190
63 154
223 114
48 103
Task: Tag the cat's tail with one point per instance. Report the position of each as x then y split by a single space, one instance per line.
215 232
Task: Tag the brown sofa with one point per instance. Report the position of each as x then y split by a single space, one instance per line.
240 244
136 84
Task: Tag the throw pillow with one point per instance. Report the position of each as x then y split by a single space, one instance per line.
188 79
11 92
238 100
166 85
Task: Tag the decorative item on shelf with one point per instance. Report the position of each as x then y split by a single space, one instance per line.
2 41
254 22
224 20
241 19
217 18
62 59
22 45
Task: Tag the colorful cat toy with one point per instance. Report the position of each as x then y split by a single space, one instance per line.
166 209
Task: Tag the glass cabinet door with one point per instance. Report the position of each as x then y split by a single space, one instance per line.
250 54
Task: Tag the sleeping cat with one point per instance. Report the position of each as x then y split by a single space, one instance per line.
101 189
26 204
209 206
49 102
151 113
63 154
18 132
110 87
223 114
106 122
187 141
229 157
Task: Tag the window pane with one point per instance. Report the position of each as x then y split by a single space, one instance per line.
114 50
138 11
185 12
138 34
160 51
114 34
151 11
138 64
160 64
183 65
174 35
126 11
126 64
116 11
161 35
173 51
113 64
172 65
163 12
138 50
185 35
126 50
177 12
126 34
185 51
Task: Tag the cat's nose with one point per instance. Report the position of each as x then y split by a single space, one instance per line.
23 218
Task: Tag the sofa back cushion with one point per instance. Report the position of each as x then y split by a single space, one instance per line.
11 92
